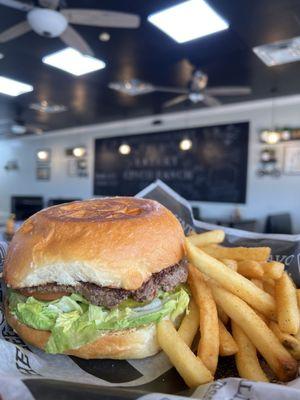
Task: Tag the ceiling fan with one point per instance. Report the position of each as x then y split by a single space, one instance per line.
196 91
50 19
18 126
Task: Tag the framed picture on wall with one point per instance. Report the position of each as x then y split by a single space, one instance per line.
43 173
78 167
291 165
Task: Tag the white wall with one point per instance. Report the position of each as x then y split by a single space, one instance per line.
264 195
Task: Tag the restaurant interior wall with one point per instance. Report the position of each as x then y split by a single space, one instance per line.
265 195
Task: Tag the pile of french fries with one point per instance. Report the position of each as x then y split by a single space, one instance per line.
242 305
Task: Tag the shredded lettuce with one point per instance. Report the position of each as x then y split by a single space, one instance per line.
73 321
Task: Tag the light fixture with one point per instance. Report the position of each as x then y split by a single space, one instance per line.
79 151
46 22
104 36
185 144
43 155
1 56
47 108
132 87
72 61
188 20
285 135
270 136
18 129
124 149
278 53
13 88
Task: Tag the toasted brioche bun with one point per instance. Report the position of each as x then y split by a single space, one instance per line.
117 242
120 345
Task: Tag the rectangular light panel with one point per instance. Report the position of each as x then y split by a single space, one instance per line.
13 88
188 20
278 53
72 61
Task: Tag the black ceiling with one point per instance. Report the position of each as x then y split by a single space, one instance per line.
150 55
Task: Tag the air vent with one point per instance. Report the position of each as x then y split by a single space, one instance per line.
279 53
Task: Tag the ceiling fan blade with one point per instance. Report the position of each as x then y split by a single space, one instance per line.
170 89
52 4
101 18
229 91
175 100
15 31
16 4
73 39
210 101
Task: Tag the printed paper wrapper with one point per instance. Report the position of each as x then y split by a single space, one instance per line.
27 373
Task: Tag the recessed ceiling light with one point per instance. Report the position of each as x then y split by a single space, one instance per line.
277 53
72 61
104 36
13 88
188 20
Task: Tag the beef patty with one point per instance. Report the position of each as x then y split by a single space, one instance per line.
167 279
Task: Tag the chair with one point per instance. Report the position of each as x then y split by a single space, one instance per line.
25 206
279 223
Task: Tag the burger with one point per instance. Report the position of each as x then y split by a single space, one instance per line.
93 278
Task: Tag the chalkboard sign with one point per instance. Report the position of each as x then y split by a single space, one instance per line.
213 169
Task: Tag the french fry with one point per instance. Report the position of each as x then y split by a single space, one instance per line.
279 359
208 349
203 239
190 367
190 324
269 286
222 315
298 297
246 357
258 283
297 335
250 269
228 346
287 340
287 306
260 254
263 317
231 280
273 269
232 264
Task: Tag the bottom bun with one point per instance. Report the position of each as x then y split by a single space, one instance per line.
119 345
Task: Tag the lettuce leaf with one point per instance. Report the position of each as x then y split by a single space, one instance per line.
42 314
73 321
